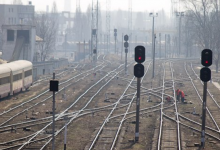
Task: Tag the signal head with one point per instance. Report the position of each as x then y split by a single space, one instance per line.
139 54
206 59
205 74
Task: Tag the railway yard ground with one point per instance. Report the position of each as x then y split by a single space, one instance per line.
97 102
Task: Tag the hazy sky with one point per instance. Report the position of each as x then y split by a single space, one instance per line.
137 5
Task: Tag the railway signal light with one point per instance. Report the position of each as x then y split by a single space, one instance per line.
206 59
94 51
54 85
126 44
139 54
126 37
205 74
115 32
139 70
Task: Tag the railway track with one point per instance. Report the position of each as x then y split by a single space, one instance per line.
78 113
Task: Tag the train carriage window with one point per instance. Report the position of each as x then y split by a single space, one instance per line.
28 73
4 80
17 77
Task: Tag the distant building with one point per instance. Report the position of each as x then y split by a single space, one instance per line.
16 14
18 42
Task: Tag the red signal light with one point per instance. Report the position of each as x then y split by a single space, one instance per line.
206 62
139 58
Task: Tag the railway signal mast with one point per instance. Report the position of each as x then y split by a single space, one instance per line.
205 76
94 37
126 45
54 87
139 73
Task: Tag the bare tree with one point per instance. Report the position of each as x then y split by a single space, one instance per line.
204 17
46 28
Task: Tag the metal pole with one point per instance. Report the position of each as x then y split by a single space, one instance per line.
179 34
53 126
126 63
160 43
153 57
115 45
137 110
165 46
203 115
152 38
65 45
122 45
84 50
107 44
136 39
65 133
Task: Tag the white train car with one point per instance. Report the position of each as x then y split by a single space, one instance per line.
15 77
4 81
26 73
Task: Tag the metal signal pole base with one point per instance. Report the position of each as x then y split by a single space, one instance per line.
53 126
203 115
137 110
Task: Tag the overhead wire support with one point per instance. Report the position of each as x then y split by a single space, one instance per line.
108 20
130 22
94 32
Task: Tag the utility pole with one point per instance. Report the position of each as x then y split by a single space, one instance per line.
65 43
154 56
180 15
153 40
108 19
122 45
160 43
94 36
115 35
84 48
130 29
165 46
